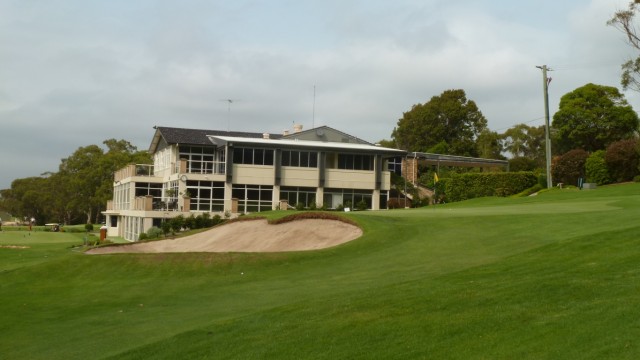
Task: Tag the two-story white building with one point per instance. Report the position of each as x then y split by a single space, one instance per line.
212 171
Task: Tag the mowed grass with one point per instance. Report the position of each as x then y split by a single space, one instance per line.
555 276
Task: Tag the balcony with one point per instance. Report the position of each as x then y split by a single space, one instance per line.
201 167
132 170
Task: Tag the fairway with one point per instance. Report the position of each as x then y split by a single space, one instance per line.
553 276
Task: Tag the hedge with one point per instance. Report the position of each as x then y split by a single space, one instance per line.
472 185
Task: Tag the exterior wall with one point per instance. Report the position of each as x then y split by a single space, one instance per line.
164 161
350 179
410 169
298 176
253 174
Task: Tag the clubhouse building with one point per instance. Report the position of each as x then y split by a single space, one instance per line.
223 172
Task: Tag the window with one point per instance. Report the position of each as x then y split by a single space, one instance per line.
300 158
251 156
203 159
253 198
206 195
298 195
333 198
355 162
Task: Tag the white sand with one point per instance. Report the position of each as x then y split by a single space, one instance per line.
251 236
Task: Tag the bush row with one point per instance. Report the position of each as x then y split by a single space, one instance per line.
472 185
179 223
618 163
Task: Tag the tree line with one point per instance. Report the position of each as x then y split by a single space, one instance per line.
78 191
594 134
590 118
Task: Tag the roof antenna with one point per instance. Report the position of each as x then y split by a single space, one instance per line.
229 101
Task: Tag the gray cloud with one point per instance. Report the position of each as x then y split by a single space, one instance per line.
74 73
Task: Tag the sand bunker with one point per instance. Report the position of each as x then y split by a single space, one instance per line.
251 236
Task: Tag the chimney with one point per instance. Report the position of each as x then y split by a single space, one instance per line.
297 128
265 135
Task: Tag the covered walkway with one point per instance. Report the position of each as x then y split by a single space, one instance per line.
413 160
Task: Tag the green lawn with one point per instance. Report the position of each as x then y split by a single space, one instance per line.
556 276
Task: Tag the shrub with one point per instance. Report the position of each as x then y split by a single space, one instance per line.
393 204
622 160
569 167
362 205
522 164
190 222
88 227
300 206
596 168
166 227
154 232
206 220
472 185
215 220
176 223
143 236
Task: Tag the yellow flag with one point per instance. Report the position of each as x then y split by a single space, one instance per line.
435 177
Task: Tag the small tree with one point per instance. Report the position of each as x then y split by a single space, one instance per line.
596 168
622 159
176 223
166 228
569 167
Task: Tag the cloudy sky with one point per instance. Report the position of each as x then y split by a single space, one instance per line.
76 72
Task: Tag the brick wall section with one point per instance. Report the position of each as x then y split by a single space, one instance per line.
410 169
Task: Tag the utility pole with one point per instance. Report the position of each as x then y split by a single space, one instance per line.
545 88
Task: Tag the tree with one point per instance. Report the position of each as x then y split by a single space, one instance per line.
623 20
596 168
591 117
622 159
489 144
81 187
449 121
569 167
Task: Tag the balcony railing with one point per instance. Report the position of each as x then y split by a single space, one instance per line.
144 170
200 167
133 170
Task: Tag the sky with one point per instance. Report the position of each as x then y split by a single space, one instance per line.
75 73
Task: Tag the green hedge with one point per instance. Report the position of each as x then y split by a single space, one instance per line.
472 185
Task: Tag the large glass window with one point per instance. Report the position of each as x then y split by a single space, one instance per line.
203 159
300 158
206 195
355 162
298 195
251 156
253 198
333 198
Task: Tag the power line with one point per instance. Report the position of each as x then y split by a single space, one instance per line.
524 122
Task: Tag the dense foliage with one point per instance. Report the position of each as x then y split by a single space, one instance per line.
79 191
596 168
446 124
622 160
591 117
473 185
569 167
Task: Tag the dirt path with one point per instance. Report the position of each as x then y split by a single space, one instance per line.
251 236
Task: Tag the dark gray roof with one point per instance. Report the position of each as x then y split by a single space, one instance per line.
199 136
